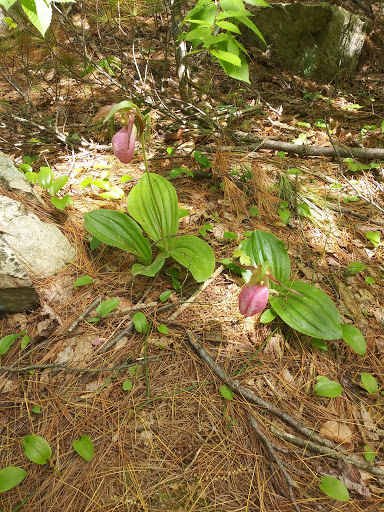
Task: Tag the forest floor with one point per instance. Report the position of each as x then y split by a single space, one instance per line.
172 441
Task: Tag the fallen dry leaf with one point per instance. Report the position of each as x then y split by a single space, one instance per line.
338 432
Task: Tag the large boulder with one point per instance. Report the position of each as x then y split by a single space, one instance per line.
29 248
318 41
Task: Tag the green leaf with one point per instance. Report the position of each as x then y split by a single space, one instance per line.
107 306
248 23
369 280
194 254
183 213
319 344
227 25
370 383
83 280
374 237
124 105
165 296
127 385
284 215
226 392
312 312
45 177
153 204
36 409
369 454
326 387
86 182
104 184
262 246
95 242
37 449
230 235
125 178
163 329
198 33
6 342
240 72
226 57
119 230
7 4
140 322
354 338
334 488
10 477
202 159
39 13
152 269
303 210
25 167
354 267
84 447
257 3
232 5
62 202
24 342
57 185
115 193
267 316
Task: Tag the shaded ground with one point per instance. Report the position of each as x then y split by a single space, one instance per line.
173 442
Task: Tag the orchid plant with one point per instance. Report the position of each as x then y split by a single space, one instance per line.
300 305
153 207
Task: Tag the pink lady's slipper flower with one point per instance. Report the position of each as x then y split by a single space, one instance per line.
123 142
252 299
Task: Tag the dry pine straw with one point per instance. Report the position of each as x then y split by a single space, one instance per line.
178 451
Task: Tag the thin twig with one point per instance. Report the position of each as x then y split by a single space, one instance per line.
194 296
75 369
270 449
95 303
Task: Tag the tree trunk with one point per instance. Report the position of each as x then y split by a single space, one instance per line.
180 49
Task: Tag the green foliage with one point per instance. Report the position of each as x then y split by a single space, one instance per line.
226 392
163 329
10 477
37 449
215 26
354 338
327 387
165 296
374 237
84 447
334 488
103 309
127 385
83 281
6 342
140 322
369 454
370 383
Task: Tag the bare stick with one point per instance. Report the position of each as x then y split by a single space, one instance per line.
270 449
95 303
194 296
322 450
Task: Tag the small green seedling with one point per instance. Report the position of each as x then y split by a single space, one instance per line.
354 267
103 309
207 227
370 280
229 235
320 344
163 329
83 281
165 296
179 171
202 159
37 449
6 342
369 454
10 477
370 383
84 447
374 237
36 409
140 322
327 387
127 385
226 392
334 488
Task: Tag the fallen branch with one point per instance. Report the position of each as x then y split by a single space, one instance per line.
315 448
257 143
326 445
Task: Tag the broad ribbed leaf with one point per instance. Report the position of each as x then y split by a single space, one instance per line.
153 204
45 177
262 246
149 270
10 477
312 312
37 449
194 254
119 230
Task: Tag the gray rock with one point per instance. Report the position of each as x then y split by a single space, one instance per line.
318 41
28 247
13 180
39 245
